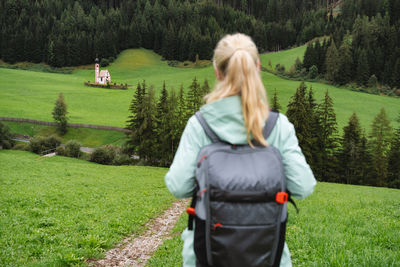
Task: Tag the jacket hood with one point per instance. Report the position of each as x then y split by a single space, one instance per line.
225 118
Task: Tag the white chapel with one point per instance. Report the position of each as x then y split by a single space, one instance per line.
103 77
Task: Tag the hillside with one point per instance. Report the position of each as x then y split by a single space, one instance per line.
59 211
110 107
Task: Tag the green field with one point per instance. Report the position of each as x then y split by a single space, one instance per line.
86 136
60 211
30 94
284 57
338 225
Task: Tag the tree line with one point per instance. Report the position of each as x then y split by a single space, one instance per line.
68 32
356 157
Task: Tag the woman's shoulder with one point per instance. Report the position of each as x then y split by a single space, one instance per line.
282 131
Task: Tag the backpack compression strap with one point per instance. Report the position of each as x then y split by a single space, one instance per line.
209 132
270 124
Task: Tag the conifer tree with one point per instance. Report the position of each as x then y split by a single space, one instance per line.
135 119
181 111
380 138
350 153
60 114
162 130
345 71
275 103
327 139
147 146
362 68
173 131
205 89
394 160
332 62
297 114
193 99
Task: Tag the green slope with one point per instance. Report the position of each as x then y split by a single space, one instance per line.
32 94
59 211
284 57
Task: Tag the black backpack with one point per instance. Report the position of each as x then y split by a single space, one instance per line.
239 204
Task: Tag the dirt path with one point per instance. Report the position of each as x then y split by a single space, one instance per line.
136 250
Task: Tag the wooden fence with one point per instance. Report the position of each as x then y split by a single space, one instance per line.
74 125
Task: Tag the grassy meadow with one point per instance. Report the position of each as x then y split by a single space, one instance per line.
60 211
284 57
31 94
86 136
338 225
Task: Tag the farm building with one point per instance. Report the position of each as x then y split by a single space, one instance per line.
102 77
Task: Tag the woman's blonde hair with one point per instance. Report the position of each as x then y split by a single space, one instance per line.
236 58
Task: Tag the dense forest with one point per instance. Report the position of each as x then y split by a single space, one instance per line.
365 46
69 32
356 157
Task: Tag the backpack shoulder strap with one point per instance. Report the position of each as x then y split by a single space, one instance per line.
270 124
209 132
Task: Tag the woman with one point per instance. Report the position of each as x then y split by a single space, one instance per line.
236 110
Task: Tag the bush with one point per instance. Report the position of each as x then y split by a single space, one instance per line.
60 150
72 149
21 146
6 141
103 155
40 144
122 159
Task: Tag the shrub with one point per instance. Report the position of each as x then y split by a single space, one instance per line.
60 150
122 159
103 155
6 141
40 144
372 81
21 146
72 149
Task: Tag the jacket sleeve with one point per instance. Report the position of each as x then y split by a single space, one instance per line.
299 176
180 179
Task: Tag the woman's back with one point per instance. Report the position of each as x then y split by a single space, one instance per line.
236 112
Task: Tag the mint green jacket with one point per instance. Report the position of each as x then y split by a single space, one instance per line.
226 119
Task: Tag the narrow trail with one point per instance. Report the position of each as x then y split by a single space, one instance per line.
136 250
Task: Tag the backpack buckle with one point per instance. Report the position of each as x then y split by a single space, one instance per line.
191 211
281 197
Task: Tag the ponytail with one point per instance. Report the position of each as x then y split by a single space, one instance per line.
242 77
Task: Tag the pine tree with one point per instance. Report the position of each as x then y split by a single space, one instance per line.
350 154
298 116
205 89
332 62
147 146
362 68
162 128
327 139
193 99
275 103
60 114
345 71
394 160
173 130
380 138
181 111
135 120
